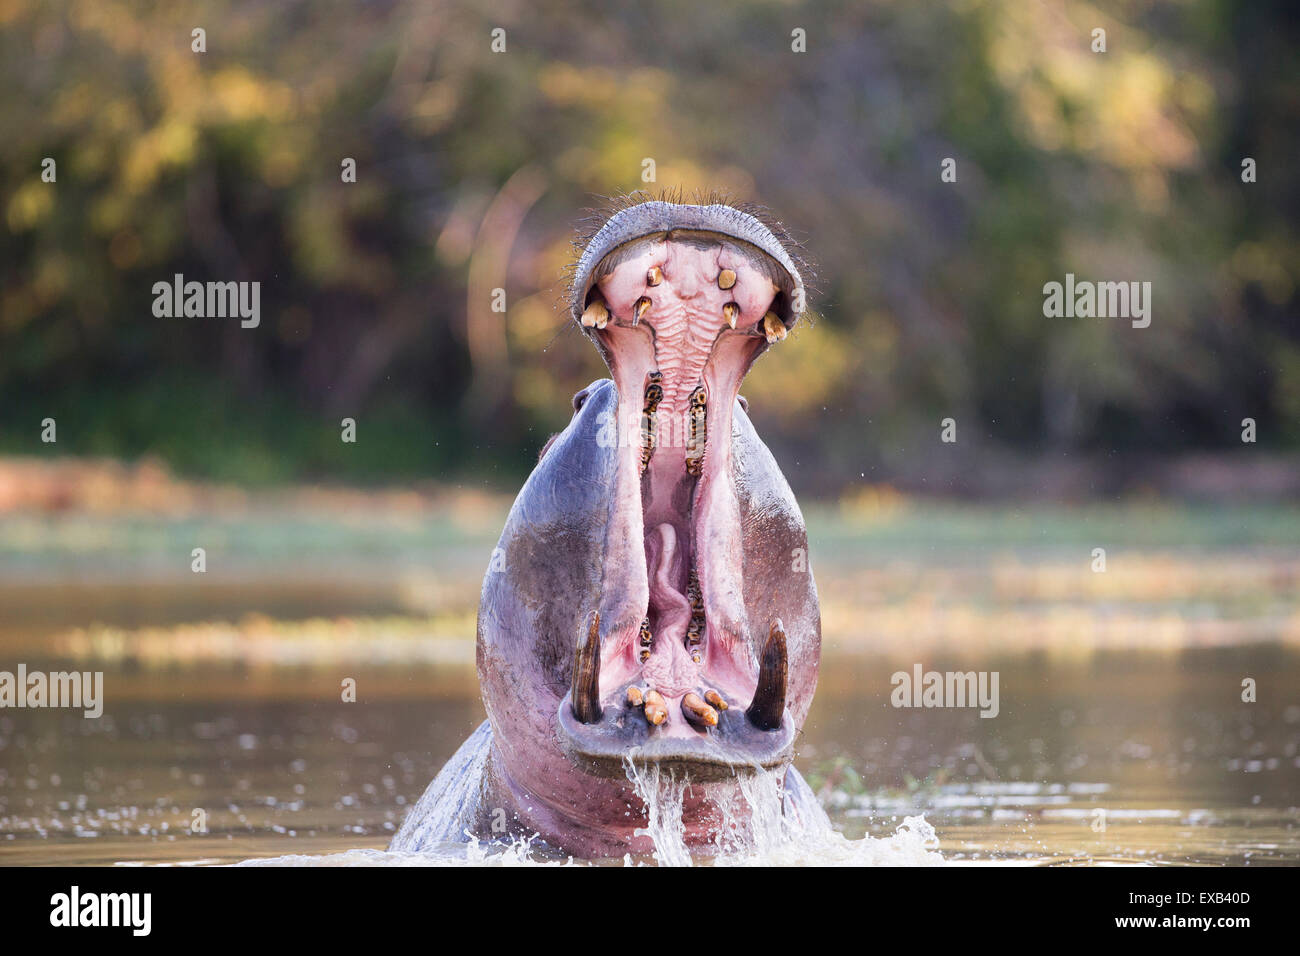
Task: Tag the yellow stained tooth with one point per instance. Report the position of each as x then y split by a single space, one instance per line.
634 697
726 279
595 316
714 698
698 711
729 312
656 708
654 276
638 310
773 328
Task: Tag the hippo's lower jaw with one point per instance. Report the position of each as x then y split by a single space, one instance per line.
710 741
731 748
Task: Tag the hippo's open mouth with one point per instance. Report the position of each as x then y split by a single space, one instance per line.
680 300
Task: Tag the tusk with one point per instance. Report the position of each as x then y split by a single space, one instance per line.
768 707
586 674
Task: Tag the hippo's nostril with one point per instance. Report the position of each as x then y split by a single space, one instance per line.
766 710
586 674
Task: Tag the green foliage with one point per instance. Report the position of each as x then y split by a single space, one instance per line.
226 165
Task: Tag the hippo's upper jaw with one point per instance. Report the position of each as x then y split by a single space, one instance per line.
685 660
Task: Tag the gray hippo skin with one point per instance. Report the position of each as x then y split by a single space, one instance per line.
650 599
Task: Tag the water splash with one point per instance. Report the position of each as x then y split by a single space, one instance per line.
773 820
769 819
663 799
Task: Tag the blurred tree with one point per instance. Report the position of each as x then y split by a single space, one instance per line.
471 167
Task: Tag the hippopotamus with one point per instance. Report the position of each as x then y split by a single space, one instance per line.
650 601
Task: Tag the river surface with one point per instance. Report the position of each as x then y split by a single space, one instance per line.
1136 758
1121 732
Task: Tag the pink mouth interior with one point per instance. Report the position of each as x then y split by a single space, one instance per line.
689 522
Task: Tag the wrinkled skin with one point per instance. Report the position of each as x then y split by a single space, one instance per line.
601 534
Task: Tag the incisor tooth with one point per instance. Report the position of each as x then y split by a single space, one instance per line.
634 697
638 310
773 328
698 711
729 312
656 708
714 698
726 279
654 276
595 316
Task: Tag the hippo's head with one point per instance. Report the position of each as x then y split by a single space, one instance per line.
651 598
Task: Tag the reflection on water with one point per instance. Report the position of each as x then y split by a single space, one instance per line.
1121 732
1132 757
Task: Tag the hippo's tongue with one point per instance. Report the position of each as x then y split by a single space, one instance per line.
681 317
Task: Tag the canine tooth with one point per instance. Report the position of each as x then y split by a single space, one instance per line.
729 312
697 711
638 310
656 708
726 279
634 697
596 315
768 705
715 699
773 328
654 276
586 674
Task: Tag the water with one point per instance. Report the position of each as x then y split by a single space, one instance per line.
1122 735
1180 769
